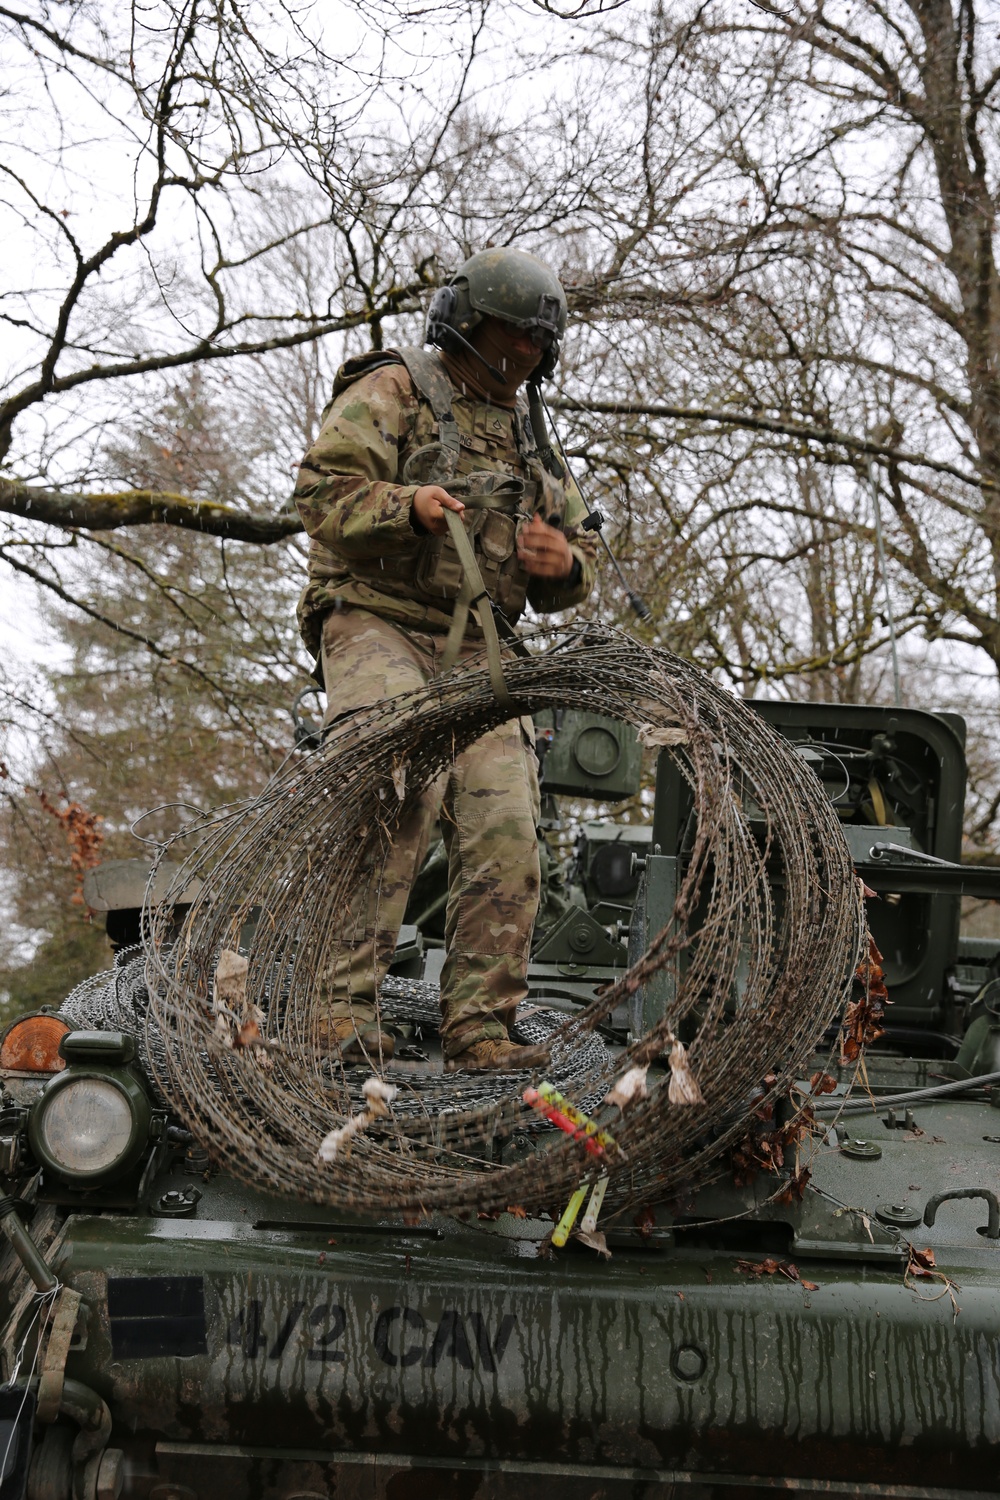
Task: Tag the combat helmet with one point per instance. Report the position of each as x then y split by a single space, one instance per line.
507 284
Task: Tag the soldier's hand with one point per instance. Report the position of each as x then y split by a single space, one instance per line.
429 505
544 550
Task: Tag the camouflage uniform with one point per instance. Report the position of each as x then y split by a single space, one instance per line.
368 613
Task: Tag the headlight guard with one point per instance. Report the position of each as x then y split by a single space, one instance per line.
92 1123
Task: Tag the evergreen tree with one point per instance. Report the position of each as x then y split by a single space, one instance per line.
175 688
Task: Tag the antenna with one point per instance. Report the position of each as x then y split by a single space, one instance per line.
595 518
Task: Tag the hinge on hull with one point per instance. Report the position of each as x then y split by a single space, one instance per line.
53 1376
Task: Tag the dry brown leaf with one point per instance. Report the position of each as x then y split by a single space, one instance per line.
865 1013
247 1034
594 1240
795 1187
656 734
237 1023
229 988
630 1088
921 1265
922 1262
769 1267
683 1087
822 1083
645 1222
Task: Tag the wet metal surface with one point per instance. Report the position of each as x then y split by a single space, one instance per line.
424 1347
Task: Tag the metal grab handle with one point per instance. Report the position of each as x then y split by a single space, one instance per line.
992 1227
885 851
25 1248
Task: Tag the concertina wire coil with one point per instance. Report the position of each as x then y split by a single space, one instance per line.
758 982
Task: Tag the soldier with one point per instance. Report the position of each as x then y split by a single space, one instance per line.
409 435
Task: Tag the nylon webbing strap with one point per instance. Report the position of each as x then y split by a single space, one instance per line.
499 499
429 378
509 634
473 592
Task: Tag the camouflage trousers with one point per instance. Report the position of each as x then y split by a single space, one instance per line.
489 808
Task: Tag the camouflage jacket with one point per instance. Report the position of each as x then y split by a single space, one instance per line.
356 485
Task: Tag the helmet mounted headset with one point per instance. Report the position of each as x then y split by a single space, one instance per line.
506 284
519 290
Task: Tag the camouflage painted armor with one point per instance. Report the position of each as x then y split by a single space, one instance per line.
379 442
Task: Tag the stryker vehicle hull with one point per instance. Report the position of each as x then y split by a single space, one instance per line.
838 1335
253 1362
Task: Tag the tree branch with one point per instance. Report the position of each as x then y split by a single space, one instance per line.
397 300
109 512
826 435
61 43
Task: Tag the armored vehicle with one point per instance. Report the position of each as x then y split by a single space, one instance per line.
173 1334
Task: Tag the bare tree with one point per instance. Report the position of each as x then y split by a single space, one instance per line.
230 130
849 316
776 229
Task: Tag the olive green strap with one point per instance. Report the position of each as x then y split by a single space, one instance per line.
459 624
430 379
473 592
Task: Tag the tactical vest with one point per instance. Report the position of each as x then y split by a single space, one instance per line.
497 504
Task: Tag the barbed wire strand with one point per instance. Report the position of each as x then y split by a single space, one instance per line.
763 942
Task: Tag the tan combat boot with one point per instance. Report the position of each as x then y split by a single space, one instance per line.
494 1056
356 1038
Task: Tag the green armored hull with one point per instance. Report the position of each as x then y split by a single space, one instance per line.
258 1358
841 1337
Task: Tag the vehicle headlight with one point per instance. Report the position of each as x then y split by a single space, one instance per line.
91 1125
88 1126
